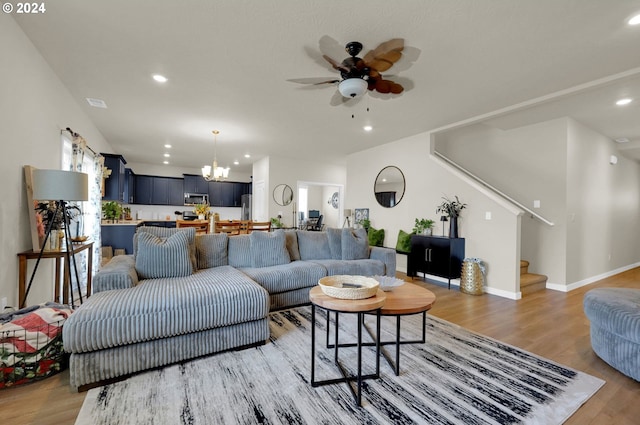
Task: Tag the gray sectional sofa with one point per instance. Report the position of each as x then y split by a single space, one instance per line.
181 296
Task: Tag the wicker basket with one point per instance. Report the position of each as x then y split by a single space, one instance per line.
471 279
348 287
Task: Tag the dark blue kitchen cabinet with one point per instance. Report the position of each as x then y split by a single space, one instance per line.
129 186
118 236
114 185
143 189
227 194
194 183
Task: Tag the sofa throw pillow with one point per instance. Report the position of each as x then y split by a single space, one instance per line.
313 245
291 237
160 258
268 249
355 244
376 237
165 232
404 242
211 250
335 243
240 251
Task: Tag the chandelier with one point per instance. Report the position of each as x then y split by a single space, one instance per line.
213 172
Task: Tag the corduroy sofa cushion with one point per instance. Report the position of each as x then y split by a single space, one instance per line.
268 249
211 250
355 244
313 245
161 258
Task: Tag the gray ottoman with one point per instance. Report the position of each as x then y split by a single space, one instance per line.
614 314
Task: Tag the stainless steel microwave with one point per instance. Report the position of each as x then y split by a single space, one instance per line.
196 198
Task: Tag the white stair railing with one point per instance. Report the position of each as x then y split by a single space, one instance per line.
492 188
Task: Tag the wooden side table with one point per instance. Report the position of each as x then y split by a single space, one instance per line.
359 307
59 255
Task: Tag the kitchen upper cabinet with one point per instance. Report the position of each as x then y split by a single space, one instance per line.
114 185
155 190
143 189
226 194
194 183
176 191
129 186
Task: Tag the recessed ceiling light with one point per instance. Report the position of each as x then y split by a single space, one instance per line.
246 155
168 146
367 128
166 155
634 21
236 162
623 102
622 140
97 103
160 78
165 162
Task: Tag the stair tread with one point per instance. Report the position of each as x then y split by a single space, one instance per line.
531 279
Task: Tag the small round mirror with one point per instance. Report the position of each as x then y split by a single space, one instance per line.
389 186
283 194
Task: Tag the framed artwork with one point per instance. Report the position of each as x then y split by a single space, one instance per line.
35 220
361 214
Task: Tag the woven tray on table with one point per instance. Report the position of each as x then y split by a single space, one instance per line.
348 287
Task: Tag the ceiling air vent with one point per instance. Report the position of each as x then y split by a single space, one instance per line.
97 103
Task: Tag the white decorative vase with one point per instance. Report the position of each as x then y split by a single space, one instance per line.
200 216
427 232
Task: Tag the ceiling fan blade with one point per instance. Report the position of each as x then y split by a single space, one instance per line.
385 55
313 81
335 64
383 86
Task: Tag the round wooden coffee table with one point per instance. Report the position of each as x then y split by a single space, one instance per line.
359 307
405 300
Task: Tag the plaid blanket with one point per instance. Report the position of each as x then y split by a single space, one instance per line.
31 342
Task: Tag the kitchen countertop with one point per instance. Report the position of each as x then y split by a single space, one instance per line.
130 222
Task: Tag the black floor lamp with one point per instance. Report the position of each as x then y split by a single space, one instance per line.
60 186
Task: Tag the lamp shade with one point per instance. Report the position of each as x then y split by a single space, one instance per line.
59 185
347 212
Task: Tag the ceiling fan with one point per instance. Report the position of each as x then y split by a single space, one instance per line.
361 74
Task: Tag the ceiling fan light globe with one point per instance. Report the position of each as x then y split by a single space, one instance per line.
352 87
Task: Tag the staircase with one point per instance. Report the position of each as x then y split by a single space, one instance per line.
530 282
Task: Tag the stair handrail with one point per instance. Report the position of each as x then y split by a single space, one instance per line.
491 187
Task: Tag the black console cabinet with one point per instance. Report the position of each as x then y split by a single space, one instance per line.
436 256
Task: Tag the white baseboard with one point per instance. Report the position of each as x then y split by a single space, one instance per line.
502 293
590 280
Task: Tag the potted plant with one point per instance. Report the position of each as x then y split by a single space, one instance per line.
423 226
127 213
276 223
111 210
202 210
365 223
49 215
452 209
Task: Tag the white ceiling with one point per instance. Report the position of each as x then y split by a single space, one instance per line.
228 63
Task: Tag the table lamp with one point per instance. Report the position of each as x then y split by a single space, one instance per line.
347 217
443 218
60 186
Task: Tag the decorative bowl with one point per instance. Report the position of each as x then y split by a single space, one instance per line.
387 283
349 287
79 238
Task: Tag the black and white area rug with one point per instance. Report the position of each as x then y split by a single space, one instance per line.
455 377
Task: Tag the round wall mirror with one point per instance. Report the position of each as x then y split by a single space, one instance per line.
283 194
389 186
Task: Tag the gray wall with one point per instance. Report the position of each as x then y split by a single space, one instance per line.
566 166
34 107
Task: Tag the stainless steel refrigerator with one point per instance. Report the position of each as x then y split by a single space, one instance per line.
246 207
